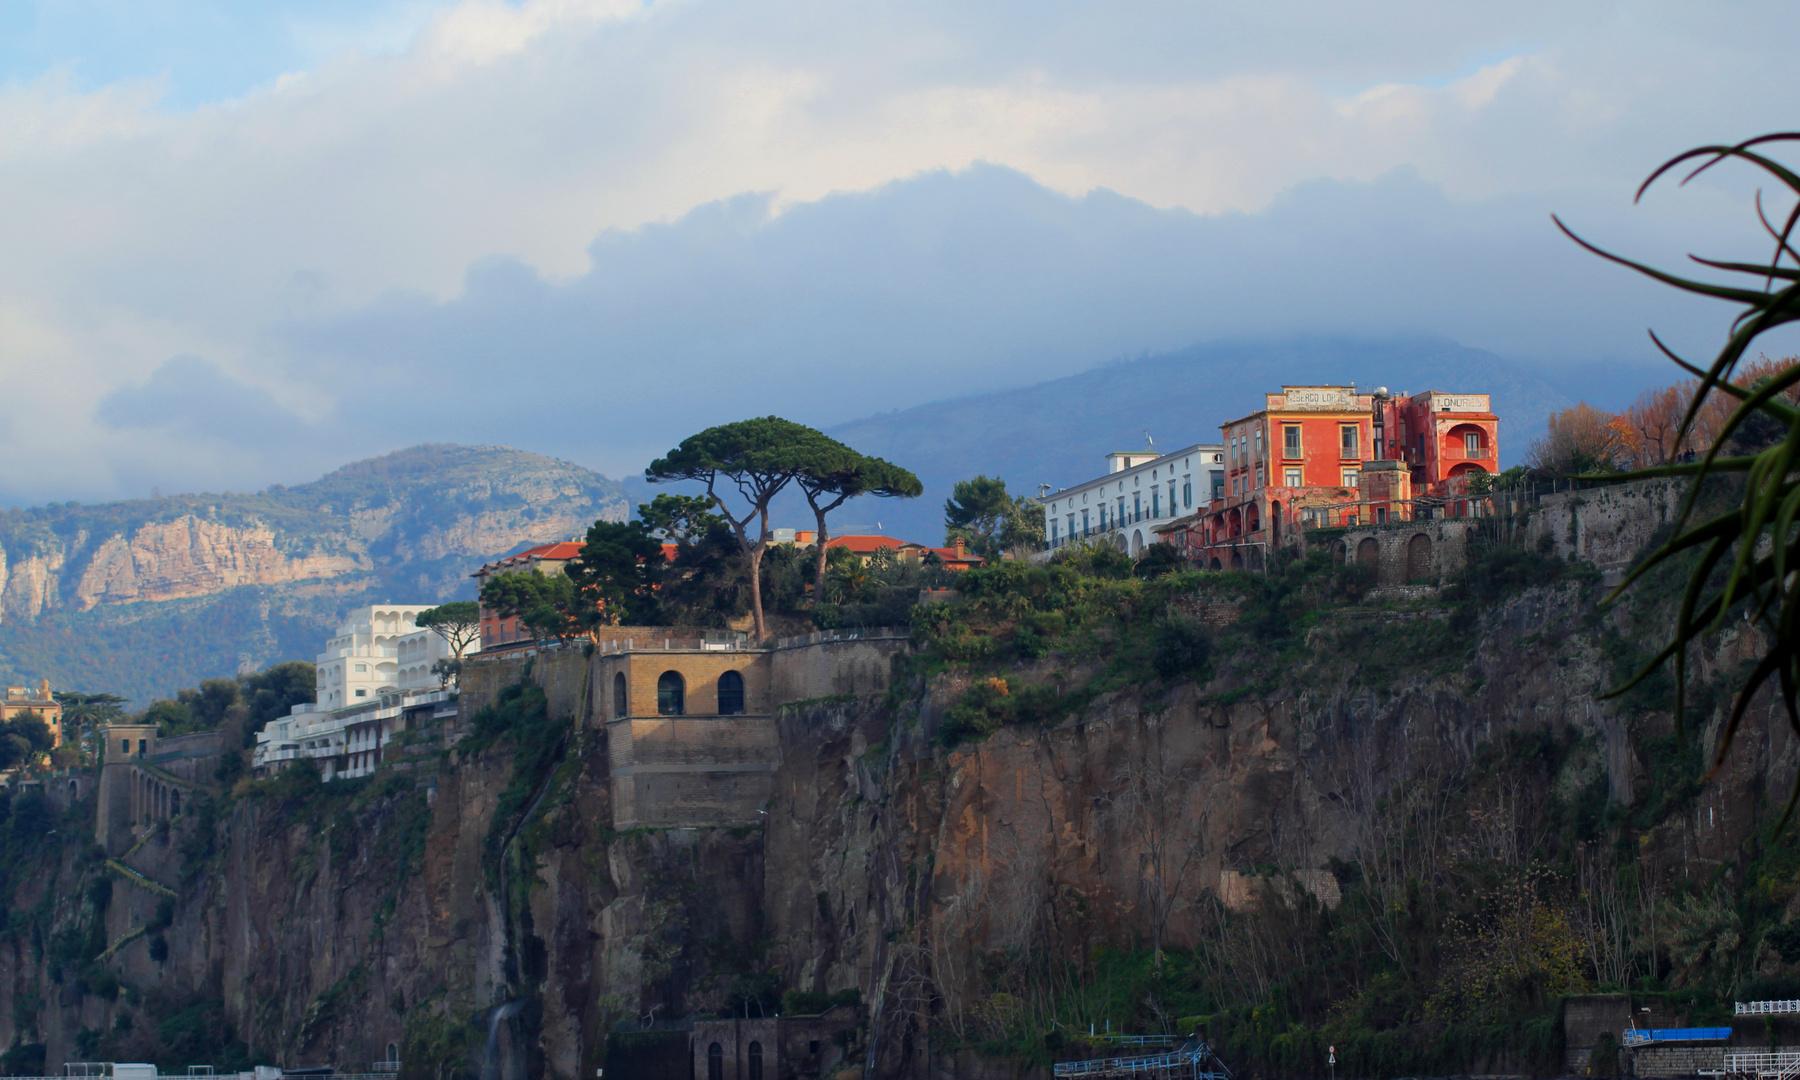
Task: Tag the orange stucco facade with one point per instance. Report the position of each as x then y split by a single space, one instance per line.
1331 456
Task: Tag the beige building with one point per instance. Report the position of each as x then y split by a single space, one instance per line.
690 730
23 699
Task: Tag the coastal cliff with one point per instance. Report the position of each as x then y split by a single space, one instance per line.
990 852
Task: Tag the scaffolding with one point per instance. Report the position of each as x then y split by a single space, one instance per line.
1760 1064
1193 1060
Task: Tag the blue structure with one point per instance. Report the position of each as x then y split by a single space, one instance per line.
1650 1036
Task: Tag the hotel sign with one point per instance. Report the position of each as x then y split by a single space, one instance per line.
1323 398
1459 403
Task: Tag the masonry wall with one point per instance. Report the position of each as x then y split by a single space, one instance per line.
1606 526
1392 543
1673 1061
813 667
691 770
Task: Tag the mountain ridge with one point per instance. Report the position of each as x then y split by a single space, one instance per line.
140 596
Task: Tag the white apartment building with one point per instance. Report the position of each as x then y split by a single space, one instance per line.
378 649
374 674
1140 490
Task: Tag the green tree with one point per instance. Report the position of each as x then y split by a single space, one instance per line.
545 604
23 739
839 474
682 520
84 715
616 572
458 623
990 520
759 458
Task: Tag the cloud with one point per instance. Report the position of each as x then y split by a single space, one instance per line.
192 398
823 208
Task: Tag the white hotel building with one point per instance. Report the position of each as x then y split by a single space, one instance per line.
1139 491
374 674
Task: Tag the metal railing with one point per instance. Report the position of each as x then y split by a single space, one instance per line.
1768 1008
1195 1061
1762 1063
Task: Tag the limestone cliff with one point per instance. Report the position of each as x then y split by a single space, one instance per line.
248 579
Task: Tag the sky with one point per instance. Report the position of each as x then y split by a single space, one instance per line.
244 243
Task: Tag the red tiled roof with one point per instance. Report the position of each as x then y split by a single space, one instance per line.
949 555
866 543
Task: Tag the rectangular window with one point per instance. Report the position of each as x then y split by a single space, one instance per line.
1352 478
1156 503
1290 440
362 667
1472 444
1187 493
1218 484
1347 435
1259 442
1053 531
1084 523
1290 477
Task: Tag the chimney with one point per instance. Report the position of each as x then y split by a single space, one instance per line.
961 547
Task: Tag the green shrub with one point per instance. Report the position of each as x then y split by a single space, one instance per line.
1183 647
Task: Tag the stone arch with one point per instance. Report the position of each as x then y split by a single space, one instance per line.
1215 563
671 694
1252 519
1234 521
715 1062
756 1061
1137 542
1418 558
1237 559
1338 552
1368 556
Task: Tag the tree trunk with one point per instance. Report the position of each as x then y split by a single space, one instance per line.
756 609
819 558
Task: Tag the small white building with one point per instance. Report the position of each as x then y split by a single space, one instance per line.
1141 489
373 680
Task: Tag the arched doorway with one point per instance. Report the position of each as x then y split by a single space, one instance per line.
731 694
1137 542
1215 564
756 1061
715 1062
1237 559
1418 558
1368 556
671 694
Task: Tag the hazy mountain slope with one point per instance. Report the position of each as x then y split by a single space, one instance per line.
1058 432
143 596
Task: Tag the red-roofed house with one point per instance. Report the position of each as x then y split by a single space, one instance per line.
955 557
546 559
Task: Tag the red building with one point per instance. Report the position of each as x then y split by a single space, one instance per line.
1321 456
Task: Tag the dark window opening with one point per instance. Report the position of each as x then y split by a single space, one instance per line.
715 1062
671 695
731 693
756 1072
619 704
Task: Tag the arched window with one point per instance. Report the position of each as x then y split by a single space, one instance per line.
756 1072
731 693
393 1052
670 694
619 707
715 1062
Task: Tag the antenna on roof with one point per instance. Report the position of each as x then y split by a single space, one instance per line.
1043 490
1149 443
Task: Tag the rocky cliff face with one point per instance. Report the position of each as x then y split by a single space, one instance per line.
405 528
478 913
